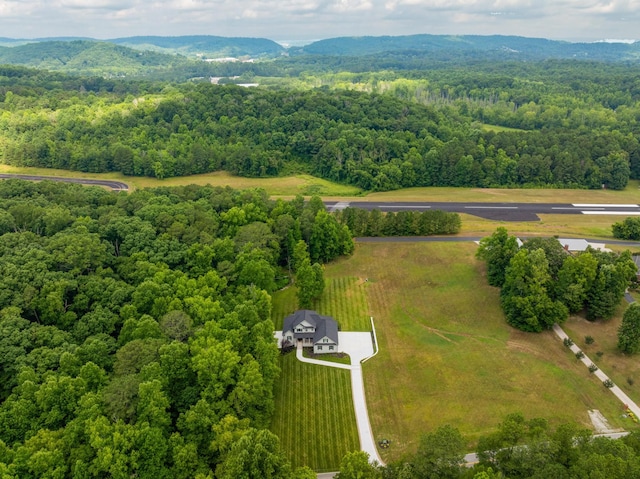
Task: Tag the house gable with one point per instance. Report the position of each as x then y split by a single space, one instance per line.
309 326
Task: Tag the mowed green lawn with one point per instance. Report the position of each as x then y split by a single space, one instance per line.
344 299
314 415
448 357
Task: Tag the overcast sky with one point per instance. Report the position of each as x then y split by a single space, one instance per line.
283 20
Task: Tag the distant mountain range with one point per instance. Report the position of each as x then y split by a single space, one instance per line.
512 47
144 54
191 46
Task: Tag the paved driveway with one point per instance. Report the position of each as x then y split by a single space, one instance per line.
359 346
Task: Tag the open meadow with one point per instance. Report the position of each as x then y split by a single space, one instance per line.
448 357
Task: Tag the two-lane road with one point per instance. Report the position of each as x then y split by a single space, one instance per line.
495 211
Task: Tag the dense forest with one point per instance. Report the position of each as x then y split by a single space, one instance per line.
377 141
136 333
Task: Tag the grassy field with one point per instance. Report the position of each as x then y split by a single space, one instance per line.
314 415
309 185
306 185
631 194
588 226
447 355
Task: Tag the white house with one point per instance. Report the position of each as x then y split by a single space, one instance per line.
310 329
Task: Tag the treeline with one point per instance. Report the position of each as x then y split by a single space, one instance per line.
541 283
376 142
136 328
520 448
363 222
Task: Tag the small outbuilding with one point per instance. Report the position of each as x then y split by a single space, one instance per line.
310 329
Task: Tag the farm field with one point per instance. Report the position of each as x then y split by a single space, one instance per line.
314 416
448 357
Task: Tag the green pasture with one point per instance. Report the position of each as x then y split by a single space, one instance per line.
448 357
314 416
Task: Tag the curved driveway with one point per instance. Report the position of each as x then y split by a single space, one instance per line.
114 185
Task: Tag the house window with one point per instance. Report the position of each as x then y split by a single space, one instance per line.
325 340
330 348
289 338
319 348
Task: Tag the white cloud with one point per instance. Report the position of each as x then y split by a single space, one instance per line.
293 19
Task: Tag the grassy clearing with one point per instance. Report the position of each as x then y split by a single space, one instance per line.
314 415
344 299
498 128
631 194
306 185
448 357
588 226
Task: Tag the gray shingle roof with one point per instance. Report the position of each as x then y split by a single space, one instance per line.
324 325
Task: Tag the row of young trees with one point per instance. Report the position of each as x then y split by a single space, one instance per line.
374 141
363 222
541 283
136 330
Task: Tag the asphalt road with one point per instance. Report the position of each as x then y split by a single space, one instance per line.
495 211
114 185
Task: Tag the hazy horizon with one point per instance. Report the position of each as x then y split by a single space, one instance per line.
302 21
